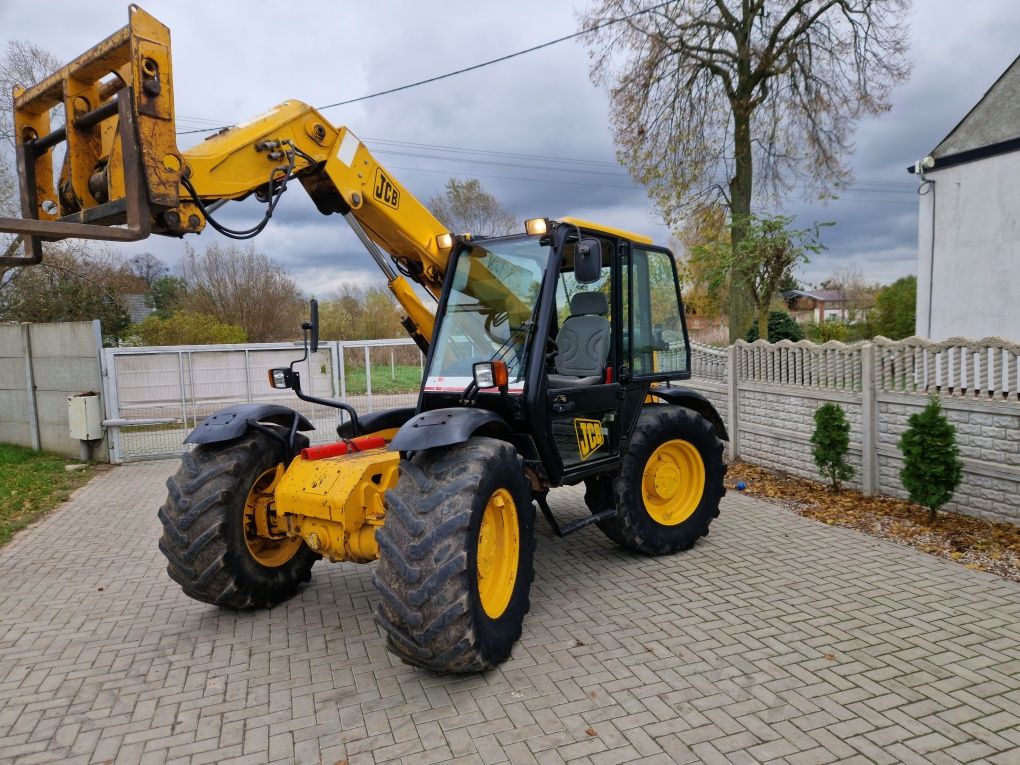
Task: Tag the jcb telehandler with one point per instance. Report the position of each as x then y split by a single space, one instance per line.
552 359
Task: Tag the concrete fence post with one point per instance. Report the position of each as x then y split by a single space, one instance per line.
33 408
337 371
869 421
342 370
733 403
334 360
368 377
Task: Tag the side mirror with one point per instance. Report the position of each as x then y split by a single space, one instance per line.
588 261
313 325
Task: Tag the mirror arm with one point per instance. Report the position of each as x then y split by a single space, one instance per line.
304 329
351 412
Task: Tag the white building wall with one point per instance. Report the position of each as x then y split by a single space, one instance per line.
974 283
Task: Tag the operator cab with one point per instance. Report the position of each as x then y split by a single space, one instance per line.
561 333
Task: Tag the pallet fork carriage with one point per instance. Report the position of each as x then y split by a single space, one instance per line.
553 358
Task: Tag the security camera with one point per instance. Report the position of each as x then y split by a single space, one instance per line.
928 162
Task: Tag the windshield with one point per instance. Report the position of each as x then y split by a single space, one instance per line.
488 313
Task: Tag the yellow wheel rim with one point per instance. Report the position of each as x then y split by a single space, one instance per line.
499 548
673 482
266 544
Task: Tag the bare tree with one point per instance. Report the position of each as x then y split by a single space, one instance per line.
148 268
465 207
71 284
360 313
22 63
717 99
245 288
855 292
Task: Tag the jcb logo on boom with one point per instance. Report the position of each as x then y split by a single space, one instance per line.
385 190
590 437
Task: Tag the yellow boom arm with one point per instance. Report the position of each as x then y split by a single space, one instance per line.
124 178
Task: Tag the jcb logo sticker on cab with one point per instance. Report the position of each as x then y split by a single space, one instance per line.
589 437
385 190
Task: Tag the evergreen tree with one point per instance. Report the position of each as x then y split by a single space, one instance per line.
831 444
932 469
782 326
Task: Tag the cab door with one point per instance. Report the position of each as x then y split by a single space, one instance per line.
584 419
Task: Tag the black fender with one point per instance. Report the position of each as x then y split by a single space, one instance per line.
445 427
696 402
232 422
376 421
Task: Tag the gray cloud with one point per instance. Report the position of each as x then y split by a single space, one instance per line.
233 59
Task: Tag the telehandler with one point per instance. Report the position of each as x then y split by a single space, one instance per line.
553 358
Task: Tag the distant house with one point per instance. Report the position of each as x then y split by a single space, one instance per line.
136 307
968 253
817 305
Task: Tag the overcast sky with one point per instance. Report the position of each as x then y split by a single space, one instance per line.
234 59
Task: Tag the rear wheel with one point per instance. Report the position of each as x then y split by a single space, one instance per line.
219 537
669 485
456 557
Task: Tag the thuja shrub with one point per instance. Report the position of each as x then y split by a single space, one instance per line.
932 469
831 445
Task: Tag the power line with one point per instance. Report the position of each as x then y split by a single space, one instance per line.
475 67
490 152
587 184
879 191
899 186
472 160
872 187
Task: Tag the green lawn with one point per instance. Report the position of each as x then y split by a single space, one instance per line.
402 378
31 483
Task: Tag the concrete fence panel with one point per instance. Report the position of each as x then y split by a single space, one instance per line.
772 391
41 365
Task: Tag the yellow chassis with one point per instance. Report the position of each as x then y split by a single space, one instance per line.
335 504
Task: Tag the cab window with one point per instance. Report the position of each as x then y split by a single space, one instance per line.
567 287
654 337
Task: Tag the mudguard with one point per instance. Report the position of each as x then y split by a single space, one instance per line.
695 401
445 427
232 422
376 421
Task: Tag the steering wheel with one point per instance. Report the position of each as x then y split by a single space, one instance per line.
492 319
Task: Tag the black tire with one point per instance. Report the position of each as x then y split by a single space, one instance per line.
431 610
633 527
203 526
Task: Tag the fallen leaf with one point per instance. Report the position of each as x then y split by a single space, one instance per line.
591 732
830 657
978 544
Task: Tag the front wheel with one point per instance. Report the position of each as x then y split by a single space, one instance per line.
456 557
669 485
219 537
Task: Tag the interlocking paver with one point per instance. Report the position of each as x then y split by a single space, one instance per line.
775 639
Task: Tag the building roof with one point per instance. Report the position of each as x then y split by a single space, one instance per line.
824 296
991 127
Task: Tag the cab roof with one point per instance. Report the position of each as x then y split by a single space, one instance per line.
611 230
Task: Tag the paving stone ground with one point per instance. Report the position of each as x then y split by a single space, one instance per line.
777 639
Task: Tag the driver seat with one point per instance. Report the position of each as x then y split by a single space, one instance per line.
583 342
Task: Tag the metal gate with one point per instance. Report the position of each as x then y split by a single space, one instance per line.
156 395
